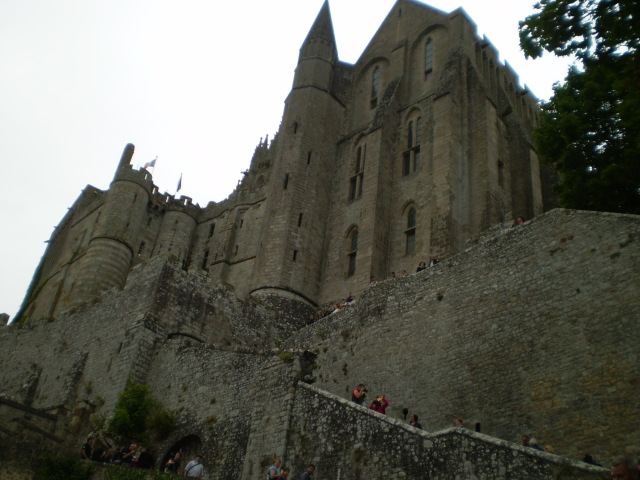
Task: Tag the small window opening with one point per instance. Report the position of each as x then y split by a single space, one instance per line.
357 179
299 220
410 232
411 157
286 180
205 259
428 59
352 254
375 87
295 254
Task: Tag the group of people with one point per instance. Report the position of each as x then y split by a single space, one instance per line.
277 472
136 456
433 261
378 404
514 222
131 456
193 469
329 309
525 441
350 299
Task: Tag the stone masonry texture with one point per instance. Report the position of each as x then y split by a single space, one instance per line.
422 147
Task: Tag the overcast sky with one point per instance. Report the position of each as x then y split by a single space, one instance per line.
196 83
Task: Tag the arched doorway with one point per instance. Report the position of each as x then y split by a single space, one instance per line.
188 446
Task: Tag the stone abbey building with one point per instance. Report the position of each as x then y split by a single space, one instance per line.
421 148
421 145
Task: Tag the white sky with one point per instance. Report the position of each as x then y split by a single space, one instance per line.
196 83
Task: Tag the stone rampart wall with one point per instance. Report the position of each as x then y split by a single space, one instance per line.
348 441
532 330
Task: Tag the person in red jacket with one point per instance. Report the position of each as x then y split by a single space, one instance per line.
379 405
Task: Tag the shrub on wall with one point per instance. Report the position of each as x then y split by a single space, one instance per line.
138 415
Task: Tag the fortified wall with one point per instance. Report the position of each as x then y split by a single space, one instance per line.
530 330
422 147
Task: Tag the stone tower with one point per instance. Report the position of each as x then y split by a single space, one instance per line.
109 254
293 236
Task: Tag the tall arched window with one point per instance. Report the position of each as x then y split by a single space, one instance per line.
375 87
357 176
411 156
428 58
352 251
410 232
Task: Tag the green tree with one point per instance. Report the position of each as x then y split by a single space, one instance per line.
590 129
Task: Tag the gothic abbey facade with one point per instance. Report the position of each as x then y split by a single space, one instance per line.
421 145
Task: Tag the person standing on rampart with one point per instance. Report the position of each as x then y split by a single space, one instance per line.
624 468
359 394
379 404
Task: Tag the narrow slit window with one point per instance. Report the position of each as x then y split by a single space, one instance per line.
375 87
205 259
410 232
352 252
428 58
357 177
411 156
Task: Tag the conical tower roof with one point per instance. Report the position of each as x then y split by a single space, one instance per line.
322 30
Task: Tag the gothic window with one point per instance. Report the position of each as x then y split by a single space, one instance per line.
428 58
375 86
411 156
410 232
352 250
357 175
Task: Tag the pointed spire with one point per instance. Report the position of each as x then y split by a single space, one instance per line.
321 32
